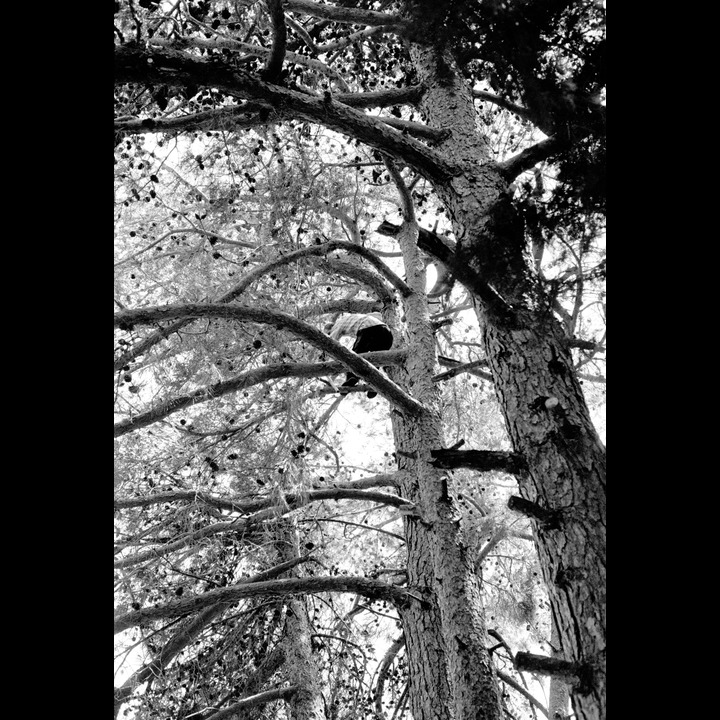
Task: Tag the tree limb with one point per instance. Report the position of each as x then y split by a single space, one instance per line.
239 288
458 368
483 460
245 380
528 696
292 500
273 66
359 366
172 67
355 16
521 112
188 632
367 587
512 167
253 700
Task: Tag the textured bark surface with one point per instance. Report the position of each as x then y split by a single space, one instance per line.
438 566
307 702
540 395
567 473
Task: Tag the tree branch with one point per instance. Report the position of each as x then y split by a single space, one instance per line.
521 112
458 368
373 589
432 244
482 460
355 16
245 380
354 37
292 500
188 632
253 700
273 66
571 672
528 696
133 65
359 366
512 167
314 250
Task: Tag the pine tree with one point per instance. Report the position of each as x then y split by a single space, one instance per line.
296 122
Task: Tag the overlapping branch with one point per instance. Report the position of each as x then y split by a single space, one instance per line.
188 632
244 283
361 367
274 63
172 67
368 587
245 380
355 16
291 500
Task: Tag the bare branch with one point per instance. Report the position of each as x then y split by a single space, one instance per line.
314 250
458 368
134 65
253 700
407 202
365 370
245 380
230 43
383 672
483 460
273 67
189 631
572 672
367 587
355 16
292 500
354 37
512 167
528 696
521 112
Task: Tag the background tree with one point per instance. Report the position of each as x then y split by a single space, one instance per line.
275 167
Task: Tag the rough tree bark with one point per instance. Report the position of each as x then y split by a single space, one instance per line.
539 392
453 628
307 702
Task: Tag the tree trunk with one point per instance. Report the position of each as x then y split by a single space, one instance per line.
307 702
559 693
541 398
453 626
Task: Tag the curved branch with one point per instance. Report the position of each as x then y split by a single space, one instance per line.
528 696
271 73
415 128
134 65
188 632
512 167
230 43
355 16
458 368
521 112
253 700
402 188
314 250
253 115
292 500
245 380
372 589
384 671
354 37
439 249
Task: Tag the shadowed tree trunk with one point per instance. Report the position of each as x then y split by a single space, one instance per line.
538 389
438 566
